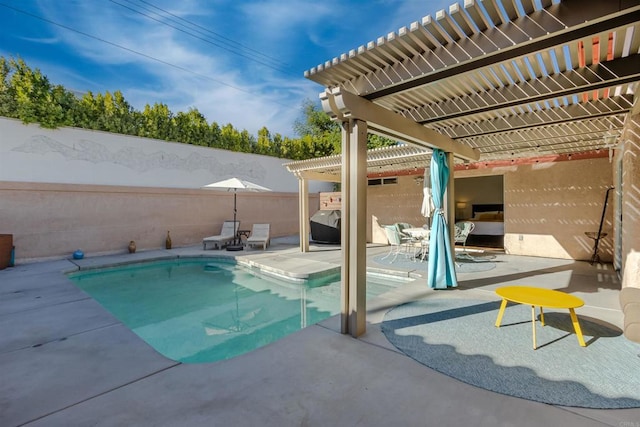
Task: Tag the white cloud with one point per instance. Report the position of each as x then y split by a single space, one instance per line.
226 88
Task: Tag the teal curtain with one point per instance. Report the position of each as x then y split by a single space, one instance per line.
441 269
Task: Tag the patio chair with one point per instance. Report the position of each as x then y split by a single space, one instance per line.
462 231
423 245
420 245
397 241
226 236
401 226
259 236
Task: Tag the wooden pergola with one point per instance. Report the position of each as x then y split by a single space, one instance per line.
489 80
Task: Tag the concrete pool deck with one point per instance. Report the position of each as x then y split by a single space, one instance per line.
65 361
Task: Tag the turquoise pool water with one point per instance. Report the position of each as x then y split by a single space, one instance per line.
204 310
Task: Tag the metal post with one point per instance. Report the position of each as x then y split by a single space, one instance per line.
595 257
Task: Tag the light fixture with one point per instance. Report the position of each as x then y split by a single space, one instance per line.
419 180
609 140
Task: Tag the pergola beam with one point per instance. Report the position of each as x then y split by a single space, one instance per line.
343 105
571 82
531 120
319 176
576 131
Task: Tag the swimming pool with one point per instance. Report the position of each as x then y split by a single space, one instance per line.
204 310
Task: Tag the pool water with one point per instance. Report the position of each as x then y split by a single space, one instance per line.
204 310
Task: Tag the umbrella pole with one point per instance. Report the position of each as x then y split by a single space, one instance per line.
237 245
235 210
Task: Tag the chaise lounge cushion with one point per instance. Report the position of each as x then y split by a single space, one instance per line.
226 236
259 236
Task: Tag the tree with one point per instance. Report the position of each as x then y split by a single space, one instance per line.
229 137
377 141
325 134
317 125
88 112
247 142
65 104
215 140
276 145
35 98
263 144
314 122
119 115
28 95
191 128
291 149
8 105
157 122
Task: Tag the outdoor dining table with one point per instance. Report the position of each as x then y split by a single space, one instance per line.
421 235
417 232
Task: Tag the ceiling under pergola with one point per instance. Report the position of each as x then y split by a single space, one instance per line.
510 78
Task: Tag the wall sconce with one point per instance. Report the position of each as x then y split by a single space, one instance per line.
419 180
460 209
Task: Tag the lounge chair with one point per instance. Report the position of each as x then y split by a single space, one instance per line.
259 236
226 236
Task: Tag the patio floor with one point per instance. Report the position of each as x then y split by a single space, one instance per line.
65 361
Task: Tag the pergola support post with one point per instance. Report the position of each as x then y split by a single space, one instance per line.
353 227
303 211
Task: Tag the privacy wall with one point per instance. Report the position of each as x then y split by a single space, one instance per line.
29 153
53 220
65 189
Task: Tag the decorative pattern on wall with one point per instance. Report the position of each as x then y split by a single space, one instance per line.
139 160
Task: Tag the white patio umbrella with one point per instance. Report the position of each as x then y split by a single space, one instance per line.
427 201
236 185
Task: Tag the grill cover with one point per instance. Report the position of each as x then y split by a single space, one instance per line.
325 226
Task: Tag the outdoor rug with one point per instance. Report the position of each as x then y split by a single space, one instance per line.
458 338
464 263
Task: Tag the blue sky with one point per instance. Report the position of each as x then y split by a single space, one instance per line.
109 45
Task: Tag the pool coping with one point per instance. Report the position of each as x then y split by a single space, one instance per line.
250 260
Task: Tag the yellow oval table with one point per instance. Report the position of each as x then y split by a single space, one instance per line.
540 297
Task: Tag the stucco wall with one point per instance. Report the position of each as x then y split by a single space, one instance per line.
549 206
53 220
68 188
630 212
391 203
29 153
